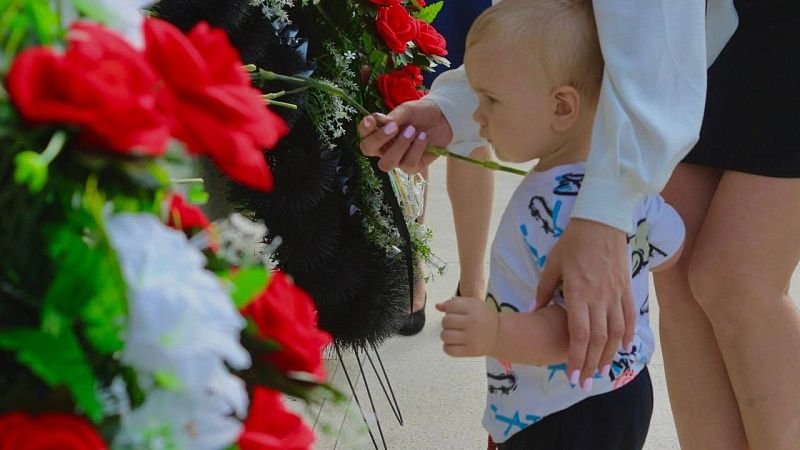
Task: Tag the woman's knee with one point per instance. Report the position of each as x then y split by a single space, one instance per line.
672 289
727 291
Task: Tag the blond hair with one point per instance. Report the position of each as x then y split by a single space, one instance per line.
561 32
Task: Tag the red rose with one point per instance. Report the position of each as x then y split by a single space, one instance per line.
429 40
396 27
421 3
270 426
214 108
185 216
398 87
287 315
19 431
100 83
386 2
415 73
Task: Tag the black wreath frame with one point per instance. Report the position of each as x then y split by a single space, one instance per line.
362 292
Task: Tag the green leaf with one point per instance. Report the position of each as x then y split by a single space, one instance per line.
18 30
30 170
366 41
103 319
45 21
400 60
94 10
247 283
375 57
58 360
441 60
255 344
428 13
88 283
197 194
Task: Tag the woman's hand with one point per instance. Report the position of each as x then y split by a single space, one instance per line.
400 137
591 262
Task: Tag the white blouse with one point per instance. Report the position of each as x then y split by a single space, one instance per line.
651 103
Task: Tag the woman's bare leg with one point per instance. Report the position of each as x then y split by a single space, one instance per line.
419 284
703 404
471 190
746 252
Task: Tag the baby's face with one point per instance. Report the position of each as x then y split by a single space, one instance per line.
515 105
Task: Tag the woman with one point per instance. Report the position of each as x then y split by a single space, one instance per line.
730 333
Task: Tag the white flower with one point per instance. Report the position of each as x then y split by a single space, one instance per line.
241 241
125 16
173 420
180 320
115 398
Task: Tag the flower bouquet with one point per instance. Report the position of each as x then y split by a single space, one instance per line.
127 319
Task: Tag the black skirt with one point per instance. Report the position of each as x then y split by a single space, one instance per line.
752 117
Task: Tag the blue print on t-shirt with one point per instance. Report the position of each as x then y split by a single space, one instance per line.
540 260
515 420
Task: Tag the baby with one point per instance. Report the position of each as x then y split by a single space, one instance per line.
536 67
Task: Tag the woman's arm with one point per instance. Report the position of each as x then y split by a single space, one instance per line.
452 94
652 98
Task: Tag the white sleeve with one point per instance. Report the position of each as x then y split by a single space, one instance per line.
452 94
651 102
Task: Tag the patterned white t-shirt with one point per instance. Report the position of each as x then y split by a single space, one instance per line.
519 395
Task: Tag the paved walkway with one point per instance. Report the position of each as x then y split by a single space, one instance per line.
442 398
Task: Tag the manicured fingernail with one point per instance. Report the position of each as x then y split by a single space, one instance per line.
575 376
409 131
422 136
629 347
606 370
368 122
587 384
390 129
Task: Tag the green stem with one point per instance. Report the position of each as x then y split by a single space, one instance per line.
281 104
54 147
60 17
333 90
315 84
487 164
300 89
188 181
274 95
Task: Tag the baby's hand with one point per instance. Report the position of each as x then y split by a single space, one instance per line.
469 327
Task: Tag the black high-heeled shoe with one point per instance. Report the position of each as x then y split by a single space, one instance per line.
415 321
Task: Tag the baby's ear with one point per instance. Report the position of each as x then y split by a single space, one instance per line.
567 102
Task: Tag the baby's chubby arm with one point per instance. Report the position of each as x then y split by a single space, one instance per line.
472 327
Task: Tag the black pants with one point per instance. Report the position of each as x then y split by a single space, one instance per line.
617 420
